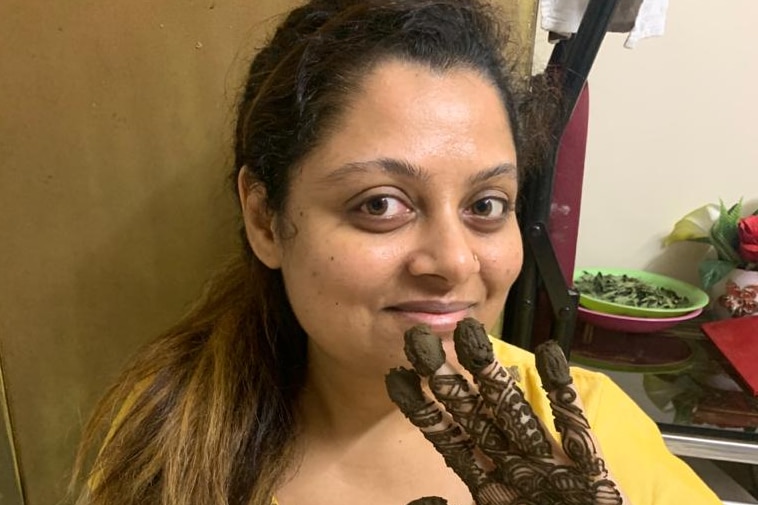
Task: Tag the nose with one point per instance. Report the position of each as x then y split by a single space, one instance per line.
444 249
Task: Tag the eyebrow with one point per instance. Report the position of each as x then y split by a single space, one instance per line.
506 169
407 169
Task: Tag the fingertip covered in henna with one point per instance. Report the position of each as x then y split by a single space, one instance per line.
404 389
472 345
429 500
424 349
552 366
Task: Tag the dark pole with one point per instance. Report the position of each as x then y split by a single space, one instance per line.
569 66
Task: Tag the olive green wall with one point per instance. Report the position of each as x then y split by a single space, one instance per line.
114 141
10 485
113 208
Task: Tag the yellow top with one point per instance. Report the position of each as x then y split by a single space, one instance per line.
631 443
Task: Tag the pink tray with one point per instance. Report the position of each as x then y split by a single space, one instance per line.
631 324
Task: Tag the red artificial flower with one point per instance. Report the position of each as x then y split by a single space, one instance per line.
748 234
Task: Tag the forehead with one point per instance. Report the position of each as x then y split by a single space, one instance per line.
414 94
408 111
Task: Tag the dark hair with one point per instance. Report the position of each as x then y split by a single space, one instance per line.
301 81
206 413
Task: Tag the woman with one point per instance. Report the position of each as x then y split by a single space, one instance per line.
376 164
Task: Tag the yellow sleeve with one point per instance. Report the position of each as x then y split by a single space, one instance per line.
636 454
631 443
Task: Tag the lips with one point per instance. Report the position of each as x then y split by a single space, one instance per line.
440 316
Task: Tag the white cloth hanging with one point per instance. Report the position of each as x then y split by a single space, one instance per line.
641 18
651 22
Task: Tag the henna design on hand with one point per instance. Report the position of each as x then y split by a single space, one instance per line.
552 366
425 352
530 468
570 421
429 500
469 410
513 414
424 349
456 447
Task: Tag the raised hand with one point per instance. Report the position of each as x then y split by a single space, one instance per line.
489 434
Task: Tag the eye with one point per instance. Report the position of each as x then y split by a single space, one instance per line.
380 213
384 206
488 214
490 207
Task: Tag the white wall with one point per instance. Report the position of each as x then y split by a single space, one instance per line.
672 127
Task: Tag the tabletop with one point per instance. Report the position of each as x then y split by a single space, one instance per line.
682 381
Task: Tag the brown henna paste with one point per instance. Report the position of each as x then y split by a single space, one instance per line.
429 500
424 349
472 345
455 446
526 470
404 389
552 366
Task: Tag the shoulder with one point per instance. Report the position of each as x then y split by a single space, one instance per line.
602 399
630 440
522 362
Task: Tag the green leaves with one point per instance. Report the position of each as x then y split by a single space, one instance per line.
627 290
718 227
712 271
724 237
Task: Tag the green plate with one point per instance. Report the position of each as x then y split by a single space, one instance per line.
698 298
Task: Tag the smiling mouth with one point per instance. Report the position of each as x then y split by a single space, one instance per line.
441 317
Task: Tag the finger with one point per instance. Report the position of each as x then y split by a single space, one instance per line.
425 352
455 446
577 439
570 422
429 500
518 476
467 408
512 413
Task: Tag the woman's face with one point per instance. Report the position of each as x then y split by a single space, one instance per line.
403 215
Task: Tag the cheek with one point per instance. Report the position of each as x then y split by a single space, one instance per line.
338 269
314 284
501 263
500 267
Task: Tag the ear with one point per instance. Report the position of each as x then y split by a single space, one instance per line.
259 222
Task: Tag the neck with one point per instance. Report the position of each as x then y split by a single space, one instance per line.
344 401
